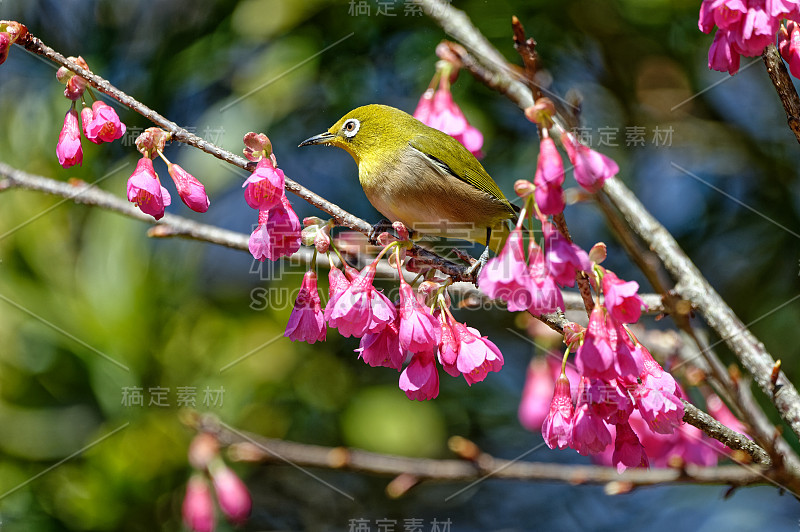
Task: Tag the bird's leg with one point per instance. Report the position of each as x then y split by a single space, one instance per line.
484 258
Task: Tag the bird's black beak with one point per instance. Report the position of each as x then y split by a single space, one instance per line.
322 138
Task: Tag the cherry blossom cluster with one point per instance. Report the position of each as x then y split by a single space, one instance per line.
232 496
99 122
746 27
686 444
437 109
590 168
278 231
144 187
411 334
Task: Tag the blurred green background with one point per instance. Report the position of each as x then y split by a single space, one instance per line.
79 285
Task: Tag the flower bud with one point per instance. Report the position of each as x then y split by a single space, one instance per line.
69 149
198 506
523 188
401 230
190 189
14 29
151 141
541 112
308 235
232 495
257 147
322 242
573 333
76 85
203 449
598 253
313 220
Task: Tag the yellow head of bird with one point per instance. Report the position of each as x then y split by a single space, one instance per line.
371 131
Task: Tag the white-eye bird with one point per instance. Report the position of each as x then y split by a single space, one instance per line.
421 176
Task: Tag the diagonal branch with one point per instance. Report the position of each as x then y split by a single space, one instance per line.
340 216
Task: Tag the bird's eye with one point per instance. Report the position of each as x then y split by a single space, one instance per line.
351 128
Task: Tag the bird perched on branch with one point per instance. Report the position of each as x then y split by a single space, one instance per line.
421 176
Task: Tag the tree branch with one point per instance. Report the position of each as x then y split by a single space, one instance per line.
172 225
254 448
339 215
783 85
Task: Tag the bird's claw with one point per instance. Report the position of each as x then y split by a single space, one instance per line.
396 230
477 265
384 226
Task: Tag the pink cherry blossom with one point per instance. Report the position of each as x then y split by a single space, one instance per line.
662 411
68 148
383 347
191 191
438 110
535 403
589 432
232 495
284 228
608 399
549 166
628 451
548 179
198 506
628 359
595 356
361 308
464 351
277 234
621 298
721 55
145 190
545 295
506 276
338 284
264 188
259 242
653 375
789 46
557 427
419 329
420 379
744 28
563 258
306 322
105 125
590 168
549 198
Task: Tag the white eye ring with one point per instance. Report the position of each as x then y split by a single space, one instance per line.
350 128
